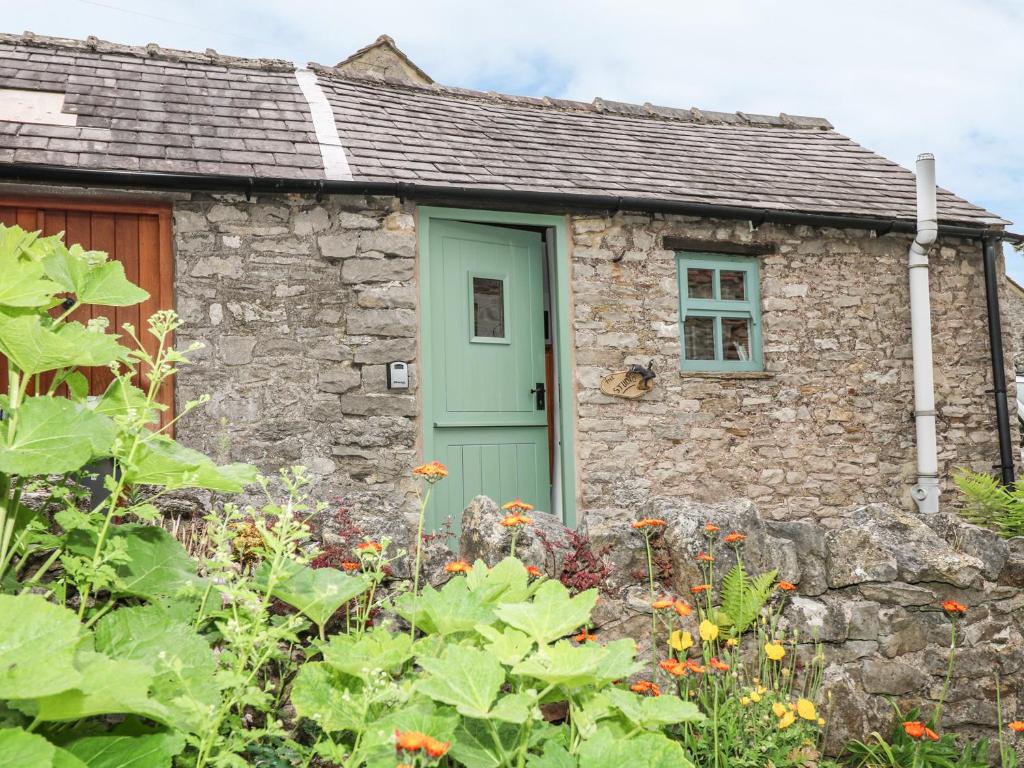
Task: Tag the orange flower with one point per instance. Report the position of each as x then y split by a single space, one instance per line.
1016 726
431 472
350 566
682 608
410 741
786 586
694 667
952 607
646 686
368 546
662 603
511 521
436 748
533 570
734 538
700 588
585 637
458 566
704 557
517 505
711 528
673 667
914 729
716 664
649 522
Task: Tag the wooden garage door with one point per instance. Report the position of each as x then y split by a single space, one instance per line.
137 236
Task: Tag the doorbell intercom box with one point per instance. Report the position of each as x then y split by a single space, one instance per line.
398 375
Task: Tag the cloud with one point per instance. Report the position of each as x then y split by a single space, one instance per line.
899 77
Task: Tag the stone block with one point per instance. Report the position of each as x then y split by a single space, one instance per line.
386 351
339 379
342 246
236 350
359 270
893 678
381 322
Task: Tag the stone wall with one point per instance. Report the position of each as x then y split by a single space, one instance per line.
1013 332
300 304
828 426
869 592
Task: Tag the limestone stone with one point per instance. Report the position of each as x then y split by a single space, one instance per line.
894 678
310 221
339 379
381 322
483 538
360 270
340 246
386 351
236 350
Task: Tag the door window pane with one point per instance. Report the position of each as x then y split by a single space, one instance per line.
698 283
488 308
736 338
699 335
731 285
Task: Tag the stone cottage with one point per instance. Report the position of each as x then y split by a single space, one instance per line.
383 270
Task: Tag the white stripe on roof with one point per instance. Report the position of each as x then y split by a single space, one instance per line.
331 149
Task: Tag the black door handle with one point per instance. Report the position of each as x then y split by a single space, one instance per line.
539 392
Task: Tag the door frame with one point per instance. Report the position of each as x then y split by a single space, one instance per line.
557 240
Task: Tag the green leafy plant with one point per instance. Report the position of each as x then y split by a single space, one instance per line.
991 504
929 750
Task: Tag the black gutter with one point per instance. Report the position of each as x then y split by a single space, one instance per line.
995 340
471 196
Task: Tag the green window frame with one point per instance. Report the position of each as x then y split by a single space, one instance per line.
724 331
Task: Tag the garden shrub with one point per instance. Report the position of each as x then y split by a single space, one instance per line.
118 647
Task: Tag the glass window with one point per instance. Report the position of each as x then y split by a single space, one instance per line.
488 308
699 283
699 335
720 312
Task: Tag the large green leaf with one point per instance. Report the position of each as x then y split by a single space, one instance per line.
552 614
508 646
361 656
37 647
23 283
157 564
420 715
122 398
473 743
52 436
322 695
506 582
453 608
34 347
466 678
654 711
107 687
154 750
315 592
607 749
573 666
161 461
92 278
21 749
184 663
553 756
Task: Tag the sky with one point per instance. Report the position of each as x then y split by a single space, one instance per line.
898 76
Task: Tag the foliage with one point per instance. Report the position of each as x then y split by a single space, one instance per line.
991 504
900 750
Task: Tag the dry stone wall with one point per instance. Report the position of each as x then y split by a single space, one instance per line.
828 426
300 304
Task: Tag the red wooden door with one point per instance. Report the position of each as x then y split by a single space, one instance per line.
137 236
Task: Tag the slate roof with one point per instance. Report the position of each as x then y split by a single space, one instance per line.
152 109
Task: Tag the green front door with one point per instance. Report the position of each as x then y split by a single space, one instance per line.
486 325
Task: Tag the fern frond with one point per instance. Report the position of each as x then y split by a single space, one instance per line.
744 597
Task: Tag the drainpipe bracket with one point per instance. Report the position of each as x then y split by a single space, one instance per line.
926 494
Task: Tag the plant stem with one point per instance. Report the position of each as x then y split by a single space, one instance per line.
937 715
654 615
419 558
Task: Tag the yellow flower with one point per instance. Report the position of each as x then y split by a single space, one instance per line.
755 697
761 689
745 701
732 642
806 710
708 630
680 640
787 720
779 709
821 722
774 651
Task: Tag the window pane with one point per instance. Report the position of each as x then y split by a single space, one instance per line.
732 285
488 308
698 283
699 333
736 338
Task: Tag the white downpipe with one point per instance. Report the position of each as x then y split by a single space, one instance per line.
926 491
